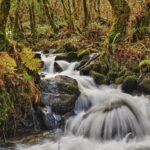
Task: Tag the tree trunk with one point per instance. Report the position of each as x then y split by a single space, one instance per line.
86 13
32 19
17 32
49 17
121 18
4 12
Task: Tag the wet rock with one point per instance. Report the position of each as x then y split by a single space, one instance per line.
60 92
98 78
72 56
144 86
83 53
130 84
57 67
95 66
61 56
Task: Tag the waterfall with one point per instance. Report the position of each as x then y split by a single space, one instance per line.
105 117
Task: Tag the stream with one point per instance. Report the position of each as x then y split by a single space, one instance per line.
105 117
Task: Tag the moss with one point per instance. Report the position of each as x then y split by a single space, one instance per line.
135 68
144 86
72 56
129 84
112 75
98 78
83 53
119 80
145 66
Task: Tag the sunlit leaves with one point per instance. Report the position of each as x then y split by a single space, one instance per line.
7 63
29 60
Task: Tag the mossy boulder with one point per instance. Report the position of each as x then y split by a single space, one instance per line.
60 93
145 66
95 66
144 86
112 75
72 56
98 78
83 53
119 80
130 84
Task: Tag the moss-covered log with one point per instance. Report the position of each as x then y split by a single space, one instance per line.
4 12
121 18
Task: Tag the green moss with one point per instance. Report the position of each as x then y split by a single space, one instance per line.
72 56
83 53
99 78
144 86
129 84
112 75
145 66
119 80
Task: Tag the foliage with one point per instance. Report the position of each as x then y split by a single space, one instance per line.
7 63
29 60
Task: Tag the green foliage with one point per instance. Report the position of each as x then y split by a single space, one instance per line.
7 62
145 66
29 60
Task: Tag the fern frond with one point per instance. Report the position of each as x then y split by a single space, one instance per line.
29 60
7 63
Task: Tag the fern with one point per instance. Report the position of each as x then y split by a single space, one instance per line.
7 63
29 60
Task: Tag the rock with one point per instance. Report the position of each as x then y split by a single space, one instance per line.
98 78
144 86
95 66
112 75
61 56
57 67
145 66
83 53
130 84
60 92
72 56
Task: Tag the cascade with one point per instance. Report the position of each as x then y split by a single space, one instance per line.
105 117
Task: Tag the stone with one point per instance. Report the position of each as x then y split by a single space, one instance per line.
144 86
130 84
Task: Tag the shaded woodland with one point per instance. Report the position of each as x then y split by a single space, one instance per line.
118 31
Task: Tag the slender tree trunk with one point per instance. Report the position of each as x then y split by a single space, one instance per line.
4 12
49 17
74 9
121 18
86 13
32 19
97 9
17 32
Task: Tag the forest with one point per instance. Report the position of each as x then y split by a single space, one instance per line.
55 53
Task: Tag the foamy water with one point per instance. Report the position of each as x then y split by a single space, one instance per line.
106 118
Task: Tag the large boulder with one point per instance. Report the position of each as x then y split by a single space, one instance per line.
60 93
144 86
130 84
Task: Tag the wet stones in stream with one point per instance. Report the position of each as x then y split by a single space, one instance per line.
58 94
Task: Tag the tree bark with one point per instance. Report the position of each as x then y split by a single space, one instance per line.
49 17
4 12
17 32
121 18
32 19
86 13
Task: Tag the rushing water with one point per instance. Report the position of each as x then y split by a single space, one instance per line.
106 118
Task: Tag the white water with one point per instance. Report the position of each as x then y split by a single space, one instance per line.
106 118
